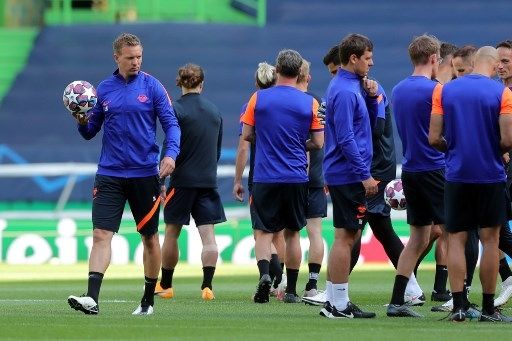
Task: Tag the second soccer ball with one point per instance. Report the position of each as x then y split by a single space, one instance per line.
394 195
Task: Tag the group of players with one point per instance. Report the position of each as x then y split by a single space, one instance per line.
438 109
291 164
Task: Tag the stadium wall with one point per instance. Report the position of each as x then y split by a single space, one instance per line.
34 126
68 241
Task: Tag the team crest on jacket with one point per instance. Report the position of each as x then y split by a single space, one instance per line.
104 104
142 98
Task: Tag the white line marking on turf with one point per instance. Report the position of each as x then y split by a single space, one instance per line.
63 300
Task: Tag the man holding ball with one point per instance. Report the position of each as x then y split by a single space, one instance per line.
129 103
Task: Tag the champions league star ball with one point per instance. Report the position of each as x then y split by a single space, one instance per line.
394 195
79 97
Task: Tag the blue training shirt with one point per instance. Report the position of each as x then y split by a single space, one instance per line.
412 103
348 135
471 106
128 111
282 117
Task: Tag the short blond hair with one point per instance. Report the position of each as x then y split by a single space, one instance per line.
265 75
125 39
422 47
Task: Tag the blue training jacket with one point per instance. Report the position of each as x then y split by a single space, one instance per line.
348 135
129 111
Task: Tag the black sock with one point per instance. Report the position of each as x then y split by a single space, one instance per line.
386 235
277 280
354 253
458 300
471 251
263 267
279 275
488 304
291 280
469 280
440 278
166 281
149 292
504 269
314 271
399 290
94 285
208 272
505 244
275 267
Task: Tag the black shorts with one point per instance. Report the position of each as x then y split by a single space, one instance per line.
508 197
110 194
203 204
317 203
255 218
473 206
424 192
349 206
278 206
376 203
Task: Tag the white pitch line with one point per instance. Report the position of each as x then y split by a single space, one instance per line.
63 300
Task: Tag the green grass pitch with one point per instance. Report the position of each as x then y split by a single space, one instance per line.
33 306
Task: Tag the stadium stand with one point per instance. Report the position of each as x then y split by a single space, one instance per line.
34 126
15 46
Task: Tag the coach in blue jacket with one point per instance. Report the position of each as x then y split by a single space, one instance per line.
129 103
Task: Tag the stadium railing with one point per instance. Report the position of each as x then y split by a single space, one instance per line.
73 170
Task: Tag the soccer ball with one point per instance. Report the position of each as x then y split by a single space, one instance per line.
79 97
394 195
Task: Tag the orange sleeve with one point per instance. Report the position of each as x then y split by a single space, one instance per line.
506 102
248 115
437 106
315 122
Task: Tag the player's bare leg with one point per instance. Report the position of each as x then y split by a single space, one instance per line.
489 264
262 250
99 261
170 256
316 254
418 242
293 257
277 265
209 256
152 258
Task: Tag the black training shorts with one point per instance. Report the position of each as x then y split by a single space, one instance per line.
110 194
278 206
472 206
203 204
317 203
424 193
349 206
